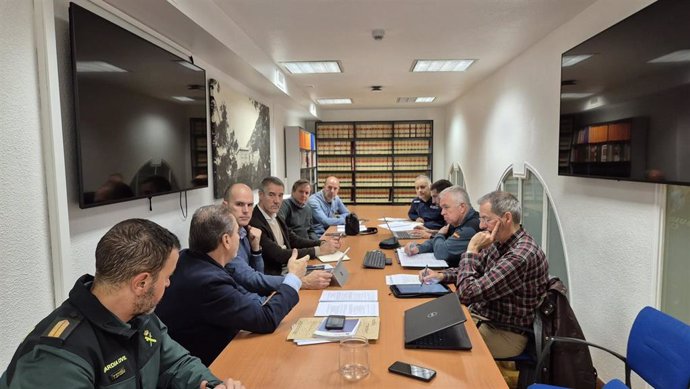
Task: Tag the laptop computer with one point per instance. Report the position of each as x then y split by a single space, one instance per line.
437 324
399 234
340 273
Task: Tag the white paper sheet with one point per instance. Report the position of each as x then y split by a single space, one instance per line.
341 228
333 257
349 295
420 260
353 308
402 279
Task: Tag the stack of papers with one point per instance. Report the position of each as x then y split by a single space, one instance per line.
420 260
303 332
348 303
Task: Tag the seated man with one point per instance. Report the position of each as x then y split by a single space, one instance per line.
436 189
276 240
248 267
205 308
423 209
327 208
296 213
502 276
94 339
452 239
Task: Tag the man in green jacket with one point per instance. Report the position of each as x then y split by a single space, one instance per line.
105 334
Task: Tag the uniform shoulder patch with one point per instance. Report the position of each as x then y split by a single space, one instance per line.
61 327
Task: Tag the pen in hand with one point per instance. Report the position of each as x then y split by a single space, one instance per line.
425 273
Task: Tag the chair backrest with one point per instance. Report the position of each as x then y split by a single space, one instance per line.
659 349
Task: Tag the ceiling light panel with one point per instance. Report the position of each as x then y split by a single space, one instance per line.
313 67
425 99
334 101
445 65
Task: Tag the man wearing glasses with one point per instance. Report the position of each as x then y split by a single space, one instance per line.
453 238
502 275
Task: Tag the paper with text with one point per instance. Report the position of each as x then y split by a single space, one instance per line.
420 260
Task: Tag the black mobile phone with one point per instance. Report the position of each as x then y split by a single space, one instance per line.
413 371
335 322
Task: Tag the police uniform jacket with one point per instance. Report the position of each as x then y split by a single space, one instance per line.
427 210
449 247
83 345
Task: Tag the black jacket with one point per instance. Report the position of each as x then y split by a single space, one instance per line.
275 256
569 365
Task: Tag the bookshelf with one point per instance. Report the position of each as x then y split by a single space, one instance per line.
604 149
376 162
199 145
300 145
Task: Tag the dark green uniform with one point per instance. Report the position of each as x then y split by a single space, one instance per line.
83 345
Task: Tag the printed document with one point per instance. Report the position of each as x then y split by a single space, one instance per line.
420 260
348 303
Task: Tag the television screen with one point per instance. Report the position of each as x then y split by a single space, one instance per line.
625 99
140 114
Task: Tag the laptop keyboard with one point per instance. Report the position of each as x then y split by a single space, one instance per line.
403 235
374 259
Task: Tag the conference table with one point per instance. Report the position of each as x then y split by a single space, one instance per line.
272 361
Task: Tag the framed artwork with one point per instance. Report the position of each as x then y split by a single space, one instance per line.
240 130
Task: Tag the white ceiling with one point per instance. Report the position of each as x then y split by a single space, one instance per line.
271 31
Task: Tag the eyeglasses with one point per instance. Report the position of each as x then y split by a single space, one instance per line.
485 220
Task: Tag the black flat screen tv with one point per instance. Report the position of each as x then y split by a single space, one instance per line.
140 114
625 99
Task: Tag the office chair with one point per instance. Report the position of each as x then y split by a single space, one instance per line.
658 351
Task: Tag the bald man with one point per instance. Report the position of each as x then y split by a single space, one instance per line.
327 208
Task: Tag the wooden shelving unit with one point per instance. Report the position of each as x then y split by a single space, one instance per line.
300 145
376 162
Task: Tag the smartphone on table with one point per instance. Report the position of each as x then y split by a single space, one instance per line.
413 371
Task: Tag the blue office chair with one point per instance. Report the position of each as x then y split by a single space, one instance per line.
658 351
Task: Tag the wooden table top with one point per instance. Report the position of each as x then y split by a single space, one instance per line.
272 361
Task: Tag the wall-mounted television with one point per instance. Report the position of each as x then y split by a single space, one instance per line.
140 114
625 99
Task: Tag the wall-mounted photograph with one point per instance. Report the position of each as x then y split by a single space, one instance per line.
240 130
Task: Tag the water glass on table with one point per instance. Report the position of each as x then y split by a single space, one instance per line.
353 358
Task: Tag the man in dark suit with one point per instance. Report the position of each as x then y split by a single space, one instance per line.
276 239
204 308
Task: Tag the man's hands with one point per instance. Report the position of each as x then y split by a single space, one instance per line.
296 266
483 239
228 384
411 248
329 245
254 235
428 276
318 279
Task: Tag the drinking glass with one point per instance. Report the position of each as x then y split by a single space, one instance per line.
353 358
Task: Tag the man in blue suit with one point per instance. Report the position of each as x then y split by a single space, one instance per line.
205 307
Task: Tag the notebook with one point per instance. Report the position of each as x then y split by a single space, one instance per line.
437 324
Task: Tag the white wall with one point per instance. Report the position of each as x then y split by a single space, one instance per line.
26 287
440 167
611 228
25 272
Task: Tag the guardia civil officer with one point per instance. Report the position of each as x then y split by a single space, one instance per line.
105 334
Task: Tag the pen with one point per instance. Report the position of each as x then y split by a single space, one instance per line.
426 272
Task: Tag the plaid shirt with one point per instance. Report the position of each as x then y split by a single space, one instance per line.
505 281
